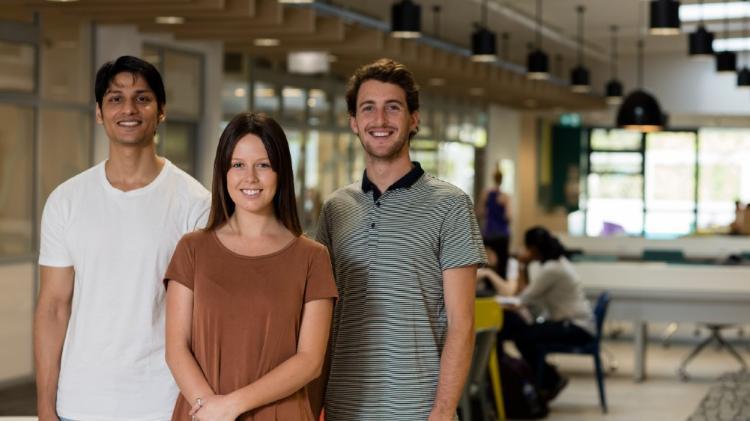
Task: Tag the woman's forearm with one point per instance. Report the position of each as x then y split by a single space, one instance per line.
287 378
187 373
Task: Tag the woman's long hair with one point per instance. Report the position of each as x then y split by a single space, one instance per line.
546 244
277 147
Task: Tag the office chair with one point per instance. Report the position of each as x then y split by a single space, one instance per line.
592 348
714 335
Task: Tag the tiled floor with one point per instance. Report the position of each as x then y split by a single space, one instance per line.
661 397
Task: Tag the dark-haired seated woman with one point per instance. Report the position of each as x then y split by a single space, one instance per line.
549 286
249 299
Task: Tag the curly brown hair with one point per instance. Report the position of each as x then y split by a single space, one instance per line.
383 70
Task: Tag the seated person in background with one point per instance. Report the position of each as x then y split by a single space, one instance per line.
548 283
737 226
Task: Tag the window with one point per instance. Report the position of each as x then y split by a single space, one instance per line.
614 185
670 183
17 67
724 175
66 60
16 180
183 82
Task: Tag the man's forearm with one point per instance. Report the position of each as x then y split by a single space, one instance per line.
50 326
454 367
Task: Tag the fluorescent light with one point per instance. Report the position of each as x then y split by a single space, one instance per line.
296 1
732 44
308 62
240 92
170 20
266 42
714 11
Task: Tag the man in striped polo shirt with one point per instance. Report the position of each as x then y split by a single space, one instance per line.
405 248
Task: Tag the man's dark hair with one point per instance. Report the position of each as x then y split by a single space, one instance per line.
383 70
134 66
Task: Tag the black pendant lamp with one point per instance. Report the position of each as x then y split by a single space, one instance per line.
726 61
537 66
701 42
580 80
613 89
483 40
665 17
640 110
743 75
406 19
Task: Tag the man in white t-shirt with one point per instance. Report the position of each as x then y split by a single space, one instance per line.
106 239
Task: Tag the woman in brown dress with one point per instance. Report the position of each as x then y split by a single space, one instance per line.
249 299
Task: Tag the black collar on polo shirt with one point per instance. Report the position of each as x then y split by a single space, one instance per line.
406 181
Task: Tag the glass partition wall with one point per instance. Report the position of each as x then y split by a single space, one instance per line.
326 155
46 118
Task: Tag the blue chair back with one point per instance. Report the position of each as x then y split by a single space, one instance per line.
600 313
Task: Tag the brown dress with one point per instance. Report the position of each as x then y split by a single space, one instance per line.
247 313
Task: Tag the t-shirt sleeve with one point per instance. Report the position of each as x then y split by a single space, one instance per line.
182 266
320 283
52 248
198 217
460 239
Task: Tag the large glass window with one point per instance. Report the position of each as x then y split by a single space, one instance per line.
670 183
614 185
265 98
183 79
183 82
17 66
66 60
64 147
16 180
724 175
179 143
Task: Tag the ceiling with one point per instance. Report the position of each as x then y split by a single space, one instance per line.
355 31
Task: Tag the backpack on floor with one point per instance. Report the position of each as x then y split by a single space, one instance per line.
520 394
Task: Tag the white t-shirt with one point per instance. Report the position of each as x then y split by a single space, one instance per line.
119 244
555 288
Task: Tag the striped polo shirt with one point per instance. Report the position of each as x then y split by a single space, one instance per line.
389 252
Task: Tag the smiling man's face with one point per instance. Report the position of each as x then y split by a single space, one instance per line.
383 121
129 110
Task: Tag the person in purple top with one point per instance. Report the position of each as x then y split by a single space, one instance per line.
494 208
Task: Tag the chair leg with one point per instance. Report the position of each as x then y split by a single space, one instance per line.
465 407
682 370
729 348
600 381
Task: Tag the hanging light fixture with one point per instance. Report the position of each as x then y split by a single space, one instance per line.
406 19
743 75
579 76
436 20
640 110
483 40
701 42
665 17
613 89
726 61
537 65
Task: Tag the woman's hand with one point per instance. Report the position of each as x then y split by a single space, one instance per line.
214 408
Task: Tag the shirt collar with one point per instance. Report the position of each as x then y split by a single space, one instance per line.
406 181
